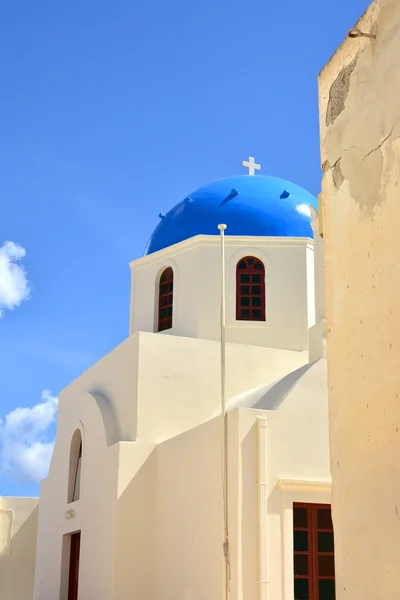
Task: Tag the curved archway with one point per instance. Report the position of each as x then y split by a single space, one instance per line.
250 289
165 299
75 467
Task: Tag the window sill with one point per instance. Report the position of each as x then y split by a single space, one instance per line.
73 504
250 324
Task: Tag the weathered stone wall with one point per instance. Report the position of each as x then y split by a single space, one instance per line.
359 91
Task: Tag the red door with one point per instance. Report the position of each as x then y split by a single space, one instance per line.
74 566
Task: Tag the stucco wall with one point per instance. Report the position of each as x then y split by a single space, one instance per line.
289 288
179 379
136 522
149 389
18 530
359 91
94 512
170 513
151 515
169 532
297 470
189 516
101 403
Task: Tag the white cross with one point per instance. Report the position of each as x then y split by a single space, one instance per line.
251 165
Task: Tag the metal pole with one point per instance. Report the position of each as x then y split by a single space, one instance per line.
224 420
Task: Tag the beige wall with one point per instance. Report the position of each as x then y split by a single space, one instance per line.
359 92
18 530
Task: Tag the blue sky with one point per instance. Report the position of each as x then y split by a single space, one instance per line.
111 113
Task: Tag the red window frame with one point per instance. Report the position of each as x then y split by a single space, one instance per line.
165 299
315 563
250 289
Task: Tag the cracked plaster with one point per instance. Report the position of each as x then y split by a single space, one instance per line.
355 129
360 156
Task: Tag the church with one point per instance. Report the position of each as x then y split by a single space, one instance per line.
192 461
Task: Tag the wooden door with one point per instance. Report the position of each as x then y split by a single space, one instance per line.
73 578
313 545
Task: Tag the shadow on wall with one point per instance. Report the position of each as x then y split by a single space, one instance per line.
136 534
17 556
273 396
169 520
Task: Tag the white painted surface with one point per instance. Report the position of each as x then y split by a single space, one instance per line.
151 513
151 506
297 452
289 282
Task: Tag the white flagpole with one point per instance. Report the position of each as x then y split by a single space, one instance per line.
224 420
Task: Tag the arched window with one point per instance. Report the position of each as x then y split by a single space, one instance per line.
165 299
250 290
75 467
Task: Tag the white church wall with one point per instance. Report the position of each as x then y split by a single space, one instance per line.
286 288
298 427
196 311
152 388
145 277
102 404
18 531
319 268
246 505
311 287
136 521
169 523
188 549
170 520
298 470
298 454
179 379
316 268
94 512
113 380
104 395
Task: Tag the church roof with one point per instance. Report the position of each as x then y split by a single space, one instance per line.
250 205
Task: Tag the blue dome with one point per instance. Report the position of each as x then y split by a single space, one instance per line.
247 204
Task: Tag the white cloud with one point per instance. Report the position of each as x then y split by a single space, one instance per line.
25 444
14 286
